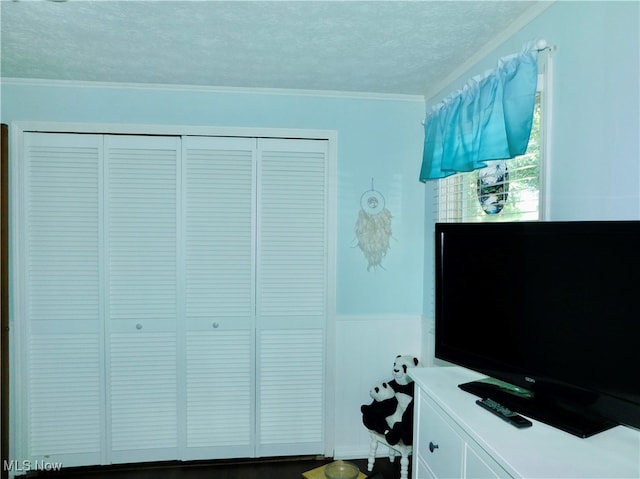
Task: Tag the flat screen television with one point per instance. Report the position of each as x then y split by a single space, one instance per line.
550 312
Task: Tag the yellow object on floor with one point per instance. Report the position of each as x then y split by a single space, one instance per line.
318 473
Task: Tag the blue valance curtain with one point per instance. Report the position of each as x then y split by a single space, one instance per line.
489 119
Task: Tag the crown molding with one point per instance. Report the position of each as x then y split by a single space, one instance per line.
35 82
498 40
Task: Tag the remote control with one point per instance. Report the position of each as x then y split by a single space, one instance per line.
504 413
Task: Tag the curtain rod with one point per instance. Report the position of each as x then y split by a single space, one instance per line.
540 45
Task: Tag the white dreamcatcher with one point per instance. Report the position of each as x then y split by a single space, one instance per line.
373 228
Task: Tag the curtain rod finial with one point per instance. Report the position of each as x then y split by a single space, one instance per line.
541 44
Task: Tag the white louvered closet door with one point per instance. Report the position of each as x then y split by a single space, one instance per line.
219 245
64 396
141 205
175 296
292 295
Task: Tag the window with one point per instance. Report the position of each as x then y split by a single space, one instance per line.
507 190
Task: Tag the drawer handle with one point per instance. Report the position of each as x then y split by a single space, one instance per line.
432 446
215 325
139 326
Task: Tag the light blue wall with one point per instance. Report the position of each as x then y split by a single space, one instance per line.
595 135
377 137
595 169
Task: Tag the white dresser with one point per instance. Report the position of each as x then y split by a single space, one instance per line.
455 438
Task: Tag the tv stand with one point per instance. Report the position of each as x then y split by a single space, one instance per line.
567 417
453 437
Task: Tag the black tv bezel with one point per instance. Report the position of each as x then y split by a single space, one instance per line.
525 391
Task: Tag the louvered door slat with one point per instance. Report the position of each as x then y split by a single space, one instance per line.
63 227
65 390
219 394
143 392
291 392
141 204
218 207
292 250
292 295
65 407
218 218
141 221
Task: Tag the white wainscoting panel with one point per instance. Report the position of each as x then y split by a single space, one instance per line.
365 348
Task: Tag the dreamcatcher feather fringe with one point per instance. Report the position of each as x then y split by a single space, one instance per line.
373 233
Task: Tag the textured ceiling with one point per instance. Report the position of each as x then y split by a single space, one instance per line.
354 46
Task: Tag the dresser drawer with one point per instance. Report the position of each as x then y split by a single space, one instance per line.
439 446
421 471
479 468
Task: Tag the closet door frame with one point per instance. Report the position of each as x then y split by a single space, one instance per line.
18 447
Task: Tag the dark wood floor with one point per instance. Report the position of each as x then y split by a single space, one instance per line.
273 468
